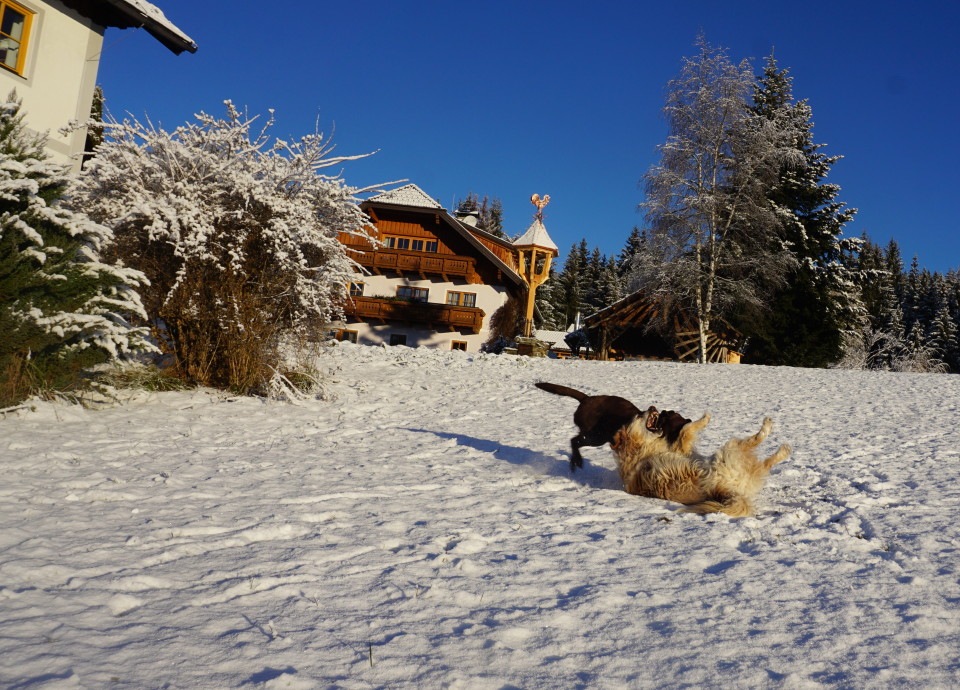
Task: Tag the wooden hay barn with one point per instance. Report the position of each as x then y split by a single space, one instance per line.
622 331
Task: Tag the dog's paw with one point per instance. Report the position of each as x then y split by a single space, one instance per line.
700 423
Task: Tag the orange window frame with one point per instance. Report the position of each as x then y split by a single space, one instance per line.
461 299
24 41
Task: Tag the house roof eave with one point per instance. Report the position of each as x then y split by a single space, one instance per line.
124 14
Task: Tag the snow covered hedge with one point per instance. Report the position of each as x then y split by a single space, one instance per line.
236 232
62 307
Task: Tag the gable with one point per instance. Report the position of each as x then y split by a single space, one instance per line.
407 195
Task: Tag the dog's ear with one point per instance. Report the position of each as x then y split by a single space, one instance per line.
671 423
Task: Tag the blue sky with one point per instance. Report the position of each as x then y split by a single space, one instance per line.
564 98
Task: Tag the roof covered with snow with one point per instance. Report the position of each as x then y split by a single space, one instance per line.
124 14
536 235
407 195
555 338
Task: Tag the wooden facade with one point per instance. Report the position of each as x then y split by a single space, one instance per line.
430 279
433 316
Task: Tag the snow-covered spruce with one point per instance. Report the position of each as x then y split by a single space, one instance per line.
236 231
61 306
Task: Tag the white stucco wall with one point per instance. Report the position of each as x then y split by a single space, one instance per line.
489 299
60 74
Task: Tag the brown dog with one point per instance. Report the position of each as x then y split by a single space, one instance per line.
600 417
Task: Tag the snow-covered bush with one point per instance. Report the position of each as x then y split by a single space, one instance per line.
871 348
236 232
62 308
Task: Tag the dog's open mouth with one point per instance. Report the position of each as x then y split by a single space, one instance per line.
653 419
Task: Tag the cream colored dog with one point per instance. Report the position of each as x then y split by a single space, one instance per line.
722 483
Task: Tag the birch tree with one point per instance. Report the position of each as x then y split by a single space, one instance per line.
712 244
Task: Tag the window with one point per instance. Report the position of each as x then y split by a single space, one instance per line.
398 339
397 242
458 345
417 245
14 32
412 293
356 289
342 334
462 299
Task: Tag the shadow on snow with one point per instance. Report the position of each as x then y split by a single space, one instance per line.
591 475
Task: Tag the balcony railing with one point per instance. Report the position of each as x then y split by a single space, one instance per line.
401 261
434 315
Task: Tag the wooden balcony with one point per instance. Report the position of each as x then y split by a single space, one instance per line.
435 316
421 264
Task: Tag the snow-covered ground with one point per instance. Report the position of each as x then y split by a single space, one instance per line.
423 530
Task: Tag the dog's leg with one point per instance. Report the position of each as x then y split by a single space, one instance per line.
688 435
752 442
783 452
576 460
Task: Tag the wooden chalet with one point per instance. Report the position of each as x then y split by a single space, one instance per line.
435 280
622 331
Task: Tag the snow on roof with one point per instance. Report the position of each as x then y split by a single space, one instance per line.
555 338
536 235
407 195
151 18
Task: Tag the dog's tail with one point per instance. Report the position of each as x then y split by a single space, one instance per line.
561 390
734 506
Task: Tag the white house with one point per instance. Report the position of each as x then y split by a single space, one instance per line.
50 53
437 280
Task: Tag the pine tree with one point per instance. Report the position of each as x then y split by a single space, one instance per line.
492 217
489 213
611 284
62 308
810 314
593 298
944 339
636 243
545 313
94 131
570 285
893 263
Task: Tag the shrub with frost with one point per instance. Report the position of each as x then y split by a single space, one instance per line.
236 231
62 307
872 348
